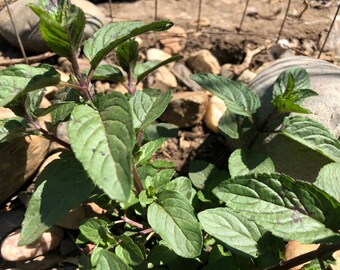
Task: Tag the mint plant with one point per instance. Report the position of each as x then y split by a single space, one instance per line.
213 219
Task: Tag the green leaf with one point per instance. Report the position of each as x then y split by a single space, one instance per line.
242 162
61 186
278 204
285 106
313 135
219 259
284 83
238 98
181 185
62 33
160 130
205 175
162 164
161 254
144 199
111 35
228 125
127 54
329 180
12 128
148 105
291 98
160 179
20 79
232 229
329 262
107 73
129 252
172 217
145 153
109 261
34 99
146 170
60 111
144 69
68 94
102 141
96 230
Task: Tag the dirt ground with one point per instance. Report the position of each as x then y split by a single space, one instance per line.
305 32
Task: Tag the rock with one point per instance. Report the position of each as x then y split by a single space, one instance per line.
67 247
154 54
10 251
336 256
61 133
186 109
173 40
26 22
48 160
102 87
289 157
215 110
23 157
6 113
121 88
73 218
10 221
295 249
45 262
183 74
227 71
204 62
203 22
66 66
246 76
162 79
93 210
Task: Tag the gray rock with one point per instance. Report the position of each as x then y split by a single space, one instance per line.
26 22
289 156
183 74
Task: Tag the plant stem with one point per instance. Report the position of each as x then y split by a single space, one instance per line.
131 88
322 250
136 180
83 85
321 263
71 85
44 132
149 231
89 76
131 222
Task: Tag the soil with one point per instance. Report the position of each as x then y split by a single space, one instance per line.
219 32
